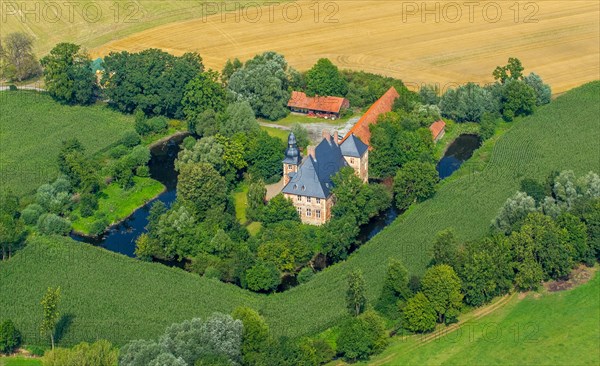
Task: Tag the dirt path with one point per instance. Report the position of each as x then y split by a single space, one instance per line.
477 314
274 189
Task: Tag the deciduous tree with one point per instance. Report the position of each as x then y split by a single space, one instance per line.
17 60
201 187
279 209
513 212
50 303
263 82
263 277
10 337
419 314
256 200
441 286
414 182
324 78
255 336
356 294
202 93
68 74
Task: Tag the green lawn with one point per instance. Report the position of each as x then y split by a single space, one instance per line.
276 132
558 328
19 361
117 204
240 200
292 119
114 297
32 127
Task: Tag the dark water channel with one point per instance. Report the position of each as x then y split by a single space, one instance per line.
121 238
458 152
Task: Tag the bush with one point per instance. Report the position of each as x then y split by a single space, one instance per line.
32 213
142 171
362 336
10 337
141 125
140 155
488 125
88 204
36 350
117 151
305 275
100 353
98 227
131 139
158 124
12 87
263 277
212 272
188 143
53 224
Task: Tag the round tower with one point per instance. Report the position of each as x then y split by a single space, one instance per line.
292 159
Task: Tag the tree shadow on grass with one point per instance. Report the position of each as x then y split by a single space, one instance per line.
62 327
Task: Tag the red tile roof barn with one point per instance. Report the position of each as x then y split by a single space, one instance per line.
436 128
381 105
317 103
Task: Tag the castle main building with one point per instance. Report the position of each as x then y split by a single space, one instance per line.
307 182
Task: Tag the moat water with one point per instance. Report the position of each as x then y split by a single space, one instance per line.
121 238
457 153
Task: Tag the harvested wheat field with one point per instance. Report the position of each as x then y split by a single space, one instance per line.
558 39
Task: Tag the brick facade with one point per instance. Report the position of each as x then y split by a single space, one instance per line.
360 166
312 211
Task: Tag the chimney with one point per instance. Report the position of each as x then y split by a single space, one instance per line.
311 151
326 135
335 136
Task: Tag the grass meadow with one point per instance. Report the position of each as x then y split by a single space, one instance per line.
559 328
110 296
116 204
19 361
29 148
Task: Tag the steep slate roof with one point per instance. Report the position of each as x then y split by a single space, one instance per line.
352 146
436 128
324 104
314 175
381 105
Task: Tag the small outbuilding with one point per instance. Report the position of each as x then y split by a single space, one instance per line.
319 106
438 129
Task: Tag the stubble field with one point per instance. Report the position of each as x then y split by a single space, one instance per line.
431 42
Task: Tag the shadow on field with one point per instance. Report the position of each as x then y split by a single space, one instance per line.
62 327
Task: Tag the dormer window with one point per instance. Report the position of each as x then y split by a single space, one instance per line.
295 186
303 188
